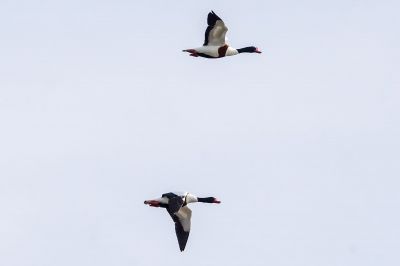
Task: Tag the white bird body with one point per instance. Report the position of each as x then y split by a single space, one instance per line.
213 51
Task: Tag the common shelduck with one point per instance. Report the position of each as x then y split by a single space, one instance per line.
176 205
215 45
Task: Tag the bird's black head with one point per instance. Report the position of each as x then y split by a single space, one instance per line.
250 49
208 200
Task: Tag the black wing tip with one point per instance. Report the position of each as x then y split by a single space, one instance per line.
212 18
182 246
181 235
212 13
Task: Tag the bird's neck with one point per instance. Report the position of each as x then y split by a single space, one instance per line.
206 200
245 50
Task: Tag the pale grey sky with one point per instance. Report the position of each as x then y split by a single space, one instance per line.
100 110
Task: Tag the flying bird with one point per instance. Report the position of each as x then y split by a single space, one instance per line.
215 45
176 205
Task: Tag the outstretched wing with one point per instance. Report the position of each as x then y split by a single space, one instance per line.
181 217
182 227
216 31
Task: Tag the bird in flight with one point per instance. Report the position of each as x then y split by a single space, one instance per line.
176 205
215 45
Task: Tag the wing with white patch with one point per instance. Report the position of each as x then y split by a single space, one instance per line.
182 225
216 31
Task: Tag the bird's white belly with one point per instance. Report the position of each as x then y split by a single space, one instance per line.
208 50
213 51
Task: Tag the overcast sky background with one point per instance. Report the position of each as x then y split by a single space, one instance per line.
100 110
